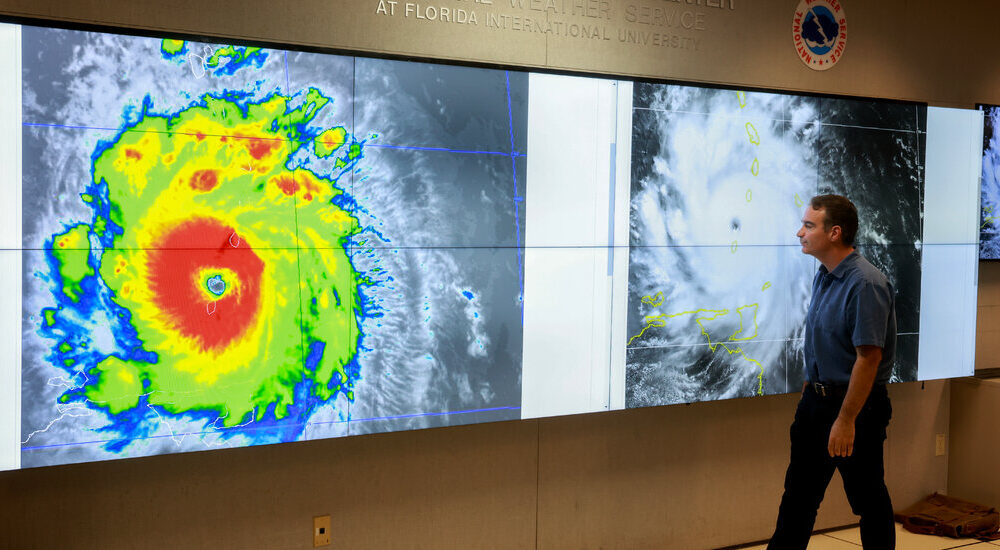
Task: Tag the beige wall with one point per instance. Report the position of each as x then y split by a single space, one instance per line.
669 477
924 50
987 327
974 447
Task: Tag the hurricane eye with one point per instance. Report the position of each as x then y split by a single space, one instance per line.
216 285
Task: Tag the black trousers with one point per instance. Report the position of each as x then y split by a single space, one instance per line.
811 467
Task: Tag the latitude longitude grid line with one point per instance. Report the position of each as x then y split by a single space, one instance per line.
258 428
491 246
517 198
355 295
427 148
738 343
770 119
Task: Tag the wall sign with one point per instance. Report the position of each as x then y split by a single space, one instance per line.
819 32
675 25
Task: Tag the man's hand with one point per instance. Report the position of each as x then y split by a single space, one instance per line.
862 377
841 438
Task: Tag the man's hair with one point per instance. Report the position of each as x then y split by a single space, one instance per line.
840 211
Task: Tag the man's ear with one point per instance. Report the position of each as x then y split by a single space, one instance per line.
836 233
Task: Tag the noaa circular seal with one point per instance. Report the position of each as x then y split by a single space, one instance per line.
819 31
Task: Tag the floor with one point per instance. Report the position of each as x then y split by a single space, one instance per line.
848 539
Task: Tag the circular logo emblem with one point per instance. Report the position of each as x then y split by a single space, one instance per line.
819 31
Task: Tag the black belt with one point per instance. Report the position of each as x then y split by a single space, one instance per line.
835 390
829 390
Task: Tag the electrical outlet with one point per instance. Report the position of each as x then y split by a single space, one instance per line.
939 445
321 531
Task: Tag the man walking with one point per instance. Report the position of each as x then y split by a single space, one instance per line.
840 423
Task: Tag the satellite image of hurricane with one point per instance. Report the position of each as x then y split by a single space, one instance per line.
989 228
718 286
226 245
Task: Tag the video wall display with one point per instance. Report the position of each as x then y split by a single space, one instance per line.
225 245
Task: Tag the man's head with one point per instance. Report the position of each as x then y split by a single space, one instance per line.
829 224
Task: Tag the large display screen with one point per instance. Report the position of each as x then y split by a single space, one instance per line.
221 245
714 174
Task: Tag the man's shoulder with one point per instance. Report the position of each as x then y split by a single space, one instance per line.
864 272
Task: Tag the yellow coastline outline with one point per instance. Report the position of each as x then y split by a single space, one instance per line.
660 320
989 218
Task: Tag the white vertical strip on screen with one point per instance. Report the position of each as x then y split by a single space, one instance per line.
950 259
603 216
10 240
567 295
619 280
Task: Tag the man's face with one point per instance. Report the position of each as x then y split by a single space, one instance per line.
813 237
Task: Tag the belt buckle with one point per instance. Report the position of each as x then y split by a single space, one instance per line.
821 389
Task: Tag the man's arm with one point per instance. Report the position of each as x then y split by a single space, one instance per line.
862 378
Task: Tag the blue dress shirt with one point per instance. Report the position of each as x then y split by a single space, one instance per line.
851 306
